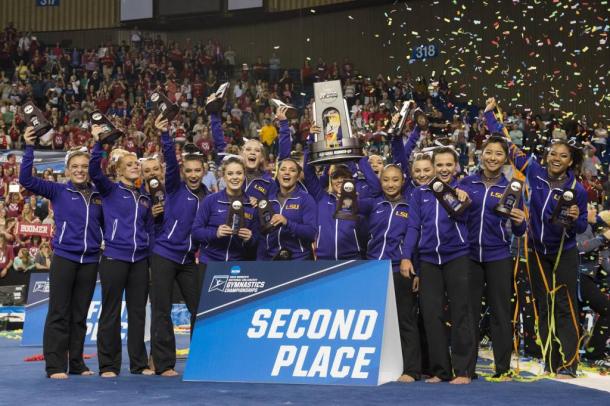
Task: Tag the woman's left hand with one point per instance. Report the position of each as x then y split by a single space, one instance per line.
573 212
244 234
517 216
462 195
278 220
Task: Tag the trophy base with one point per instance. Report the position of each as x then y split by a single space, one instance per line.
171 112
39 132
502 211
291 113
345 216
266 229
283 255
346 149
111 137
214 107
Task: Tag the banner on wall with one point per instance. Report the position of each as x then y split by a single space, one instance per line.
30 229
42 159
302 322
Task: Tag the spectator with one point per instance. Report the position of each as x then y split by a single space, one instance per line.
43 257
23 262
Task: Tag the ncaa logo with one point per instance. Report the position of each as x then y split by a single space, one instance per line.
96 116
28 109
154 97
235 270
219 282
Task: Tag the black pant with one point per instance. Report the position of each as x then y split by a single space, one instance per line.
163 272
559 356
455 280
592 296
72 286
406 304
118 277
496 276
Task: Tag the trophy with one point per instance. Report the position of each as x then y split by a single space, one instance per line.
216 105
336 142
111 133
291 112
347 205
405 112
510 198
265 212
156 190
282 255
235 219
164 105
448 198
560 215
34 118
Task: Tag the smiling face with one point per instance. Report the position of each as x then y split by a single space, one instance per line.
252 153
192 172
288 174
422 171
78 170
151 168
391 182
129 168
493 157
234 176
445 166
559 160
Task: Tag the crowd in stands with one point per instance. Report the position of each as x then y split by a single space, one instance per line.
69 83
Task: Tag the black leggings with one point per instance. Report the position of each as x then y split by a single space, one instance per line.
559 356
599 301
163 272
456 281
118 277
406 303
72 286
496 276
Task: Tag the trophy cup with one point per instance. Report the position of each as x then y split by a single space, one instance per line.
291 112
216 105
111 133
164 105
510 198
448 198
560 215
347 205
265 212
157 191
336 142
34 118
235 219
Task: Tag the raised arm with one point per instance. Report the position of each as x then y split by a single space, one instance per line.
285 143
104 185
310 178
370 177
172 167
218 134
26 179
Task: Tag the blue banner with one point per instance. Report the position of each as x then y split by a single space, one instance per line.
322 322
37 307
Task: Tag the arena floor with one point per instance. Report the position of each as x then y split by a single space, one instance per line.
24 383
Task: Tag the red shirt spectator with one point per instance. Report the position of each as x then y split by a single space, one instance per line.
59 140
